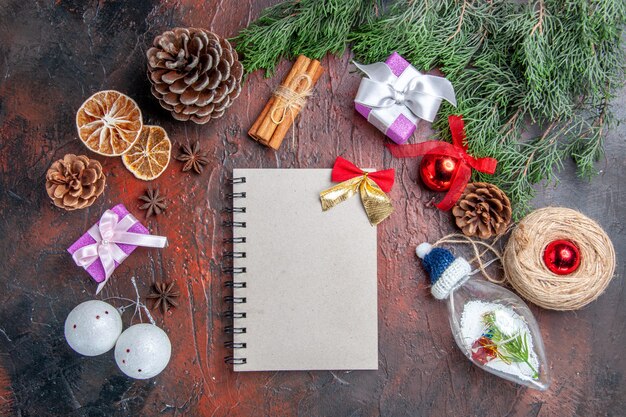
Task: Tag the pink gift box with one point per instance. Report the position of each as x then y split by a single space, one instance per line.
96 269
404 125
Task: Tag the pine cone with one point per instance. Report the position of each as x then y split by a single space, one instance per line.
195 74
483 210
75 182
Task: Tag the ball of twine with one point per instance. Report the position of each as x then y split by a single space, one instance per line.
528 274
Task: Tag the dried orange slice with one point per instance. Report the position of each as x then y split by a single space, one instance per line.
109 122
149 156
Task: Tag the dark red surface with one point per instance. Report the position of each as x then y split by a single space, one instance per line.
56 54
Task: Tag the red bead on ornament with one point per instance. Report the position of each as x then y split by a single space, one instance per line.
437 171
562 257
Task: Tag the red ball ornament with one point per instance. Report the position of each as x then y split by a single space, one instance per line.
562 257
437 171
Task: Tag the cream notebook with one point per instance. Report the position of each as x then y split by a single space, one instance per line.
304 281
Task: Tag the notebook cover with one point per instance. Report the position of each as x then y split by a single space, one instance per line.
311 276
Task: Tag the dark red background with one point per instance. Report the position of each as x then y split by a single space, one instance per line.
53 55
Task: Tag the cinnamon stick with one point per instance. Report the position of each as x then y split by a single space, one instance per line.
263 128
313 72
279 113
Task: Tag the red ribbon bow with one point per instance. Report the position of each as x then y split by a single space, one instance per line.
458 150
372 187
344 170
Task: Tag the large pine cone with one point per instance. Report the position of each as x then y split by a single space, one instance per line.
75 182
483 210
195 74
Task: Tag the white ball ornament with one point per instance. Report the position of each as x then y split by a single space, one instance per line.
92 327
143 351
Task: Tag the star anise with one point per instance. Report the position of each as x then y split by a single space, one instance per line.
164 294
193 157
154 202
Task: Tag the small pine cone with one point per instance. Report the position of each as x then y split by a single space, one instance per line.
75 182
195 74
483 210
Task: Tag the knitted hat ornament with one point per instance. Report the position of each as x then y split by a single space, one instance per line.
445 271
492 326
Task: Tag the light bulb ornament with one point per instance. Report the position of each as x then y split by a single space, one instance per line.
493 327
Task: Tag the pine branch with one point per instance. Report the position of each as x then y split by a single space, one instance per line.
458 28
309 27
516 67
539 25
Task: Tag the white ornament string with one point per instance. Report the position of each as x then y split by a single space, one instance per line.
136 303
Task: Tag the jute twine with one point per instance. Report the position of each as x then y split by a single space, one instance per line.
481 250
526 271
292 100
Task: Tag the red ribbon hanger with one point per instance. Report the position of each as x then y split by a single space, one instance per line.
458 150
344 170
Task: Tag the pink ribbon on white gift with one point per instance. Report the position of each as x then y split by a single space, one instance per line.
107 233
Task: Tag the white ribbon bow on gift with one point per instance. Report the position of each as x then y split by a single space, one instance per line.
107 233
421 94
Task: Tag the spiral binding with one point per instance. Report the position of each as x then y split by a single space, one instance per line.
234 315
232 299
235 345
233 284
235 300
233 270
235 210
234 224
234 254
233 329
235 361
235 240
